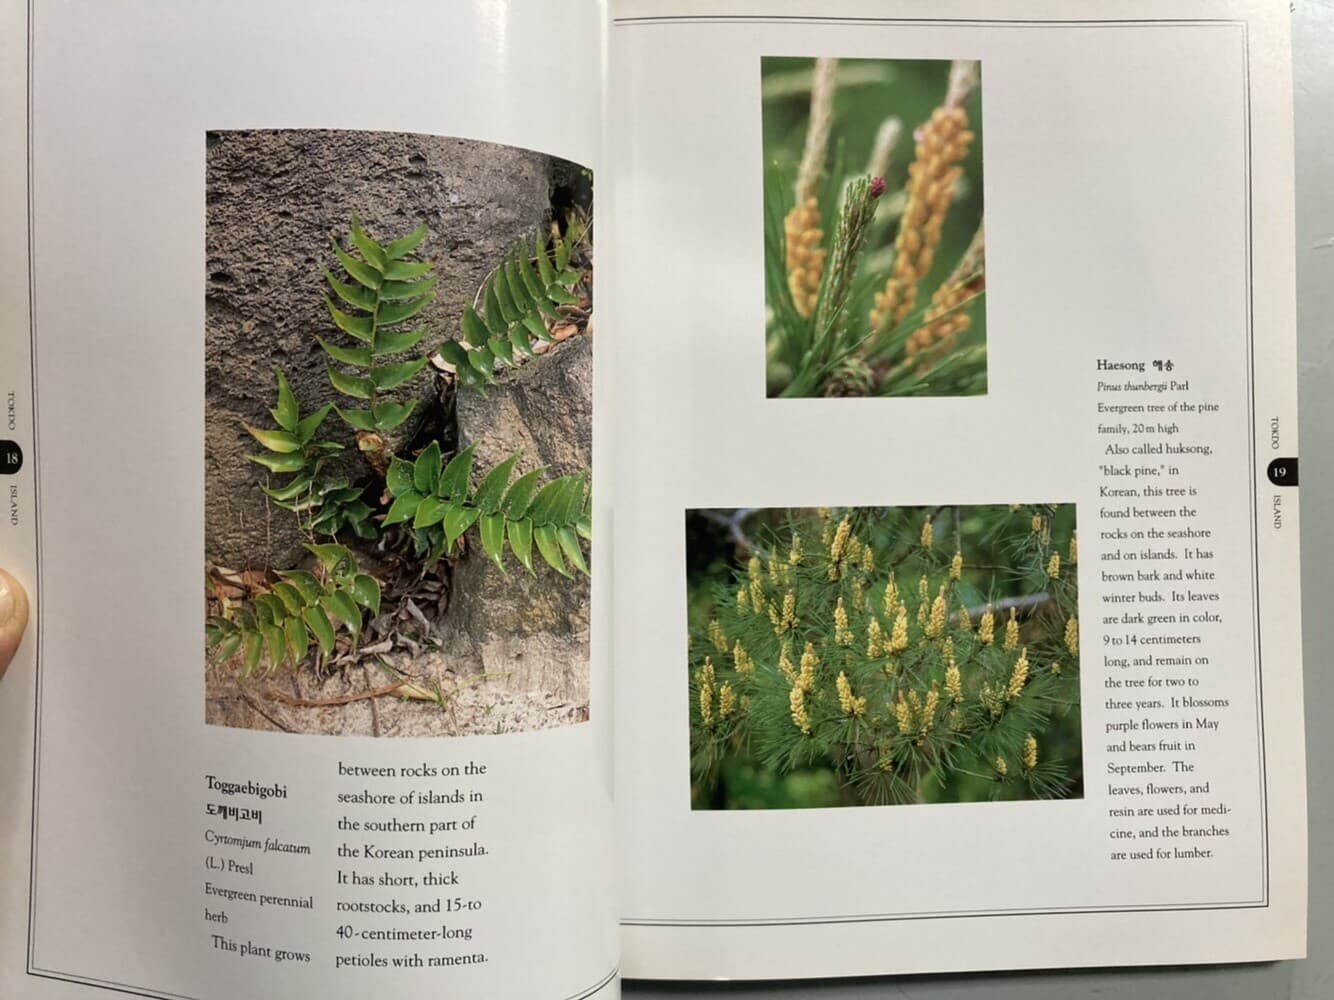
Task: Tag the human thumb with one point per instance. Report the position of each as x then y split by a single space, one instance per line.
13 618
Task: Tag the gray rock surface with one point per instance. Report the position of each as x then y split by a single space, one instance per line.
532 631
274 201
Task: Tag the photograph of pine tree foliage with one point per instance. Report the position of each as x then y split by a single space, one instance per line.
873 237
883 656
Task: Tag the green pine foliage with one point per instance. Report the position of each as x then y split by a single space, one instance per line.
388 288
523 294
438 501
303 612
914 654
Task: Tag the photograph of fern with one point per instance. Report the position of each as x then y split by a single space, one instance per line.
883 655
398 428
874 251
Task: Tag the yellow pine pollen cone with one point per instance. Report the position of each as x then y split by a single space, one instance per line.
902 715
935 626
1018 676
785 663
805 256
1030 755
706 678
796 701
726 700
986 630
898 638
717 636
847 703
809 661
942 142
875 640
953 682
1011 633
940 327
842 633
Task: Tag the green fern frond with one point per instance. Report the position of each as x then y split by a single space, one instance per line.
301 614
437 501
389 288
522 296
323 506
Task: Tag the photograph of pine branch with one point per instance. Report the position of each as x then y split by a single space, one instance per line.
874 249
883 655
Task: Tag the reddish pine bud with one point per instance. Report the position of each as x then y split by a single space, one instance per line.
877 186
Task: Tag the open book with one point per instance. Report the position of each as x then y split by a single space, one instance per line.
520 495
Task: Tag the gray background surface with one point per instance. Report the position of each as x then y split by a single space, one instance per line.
1312 979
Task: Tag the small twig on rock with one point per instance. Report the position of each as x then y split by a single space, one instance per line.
346 699
255 705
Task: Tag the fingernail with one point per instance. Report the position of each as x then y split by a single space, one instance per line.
6 601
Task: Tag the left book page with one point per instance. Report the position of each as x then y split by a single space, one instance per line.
300 394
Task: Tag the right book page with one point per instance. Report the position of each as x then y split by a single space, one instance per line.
956 561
